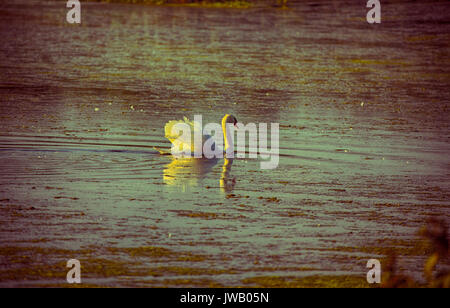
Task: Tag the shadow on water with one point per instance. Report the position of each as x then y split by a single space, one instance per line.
227 180
186 172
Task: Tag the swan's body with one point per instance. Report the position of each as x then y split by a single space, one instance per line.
183 143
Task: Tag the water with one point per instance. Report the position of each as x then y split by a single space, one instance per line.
364 140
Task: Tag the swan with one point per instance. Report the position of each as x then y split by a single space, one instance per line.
181 142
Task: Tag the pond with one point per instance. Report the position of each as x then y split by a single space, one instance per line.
364 140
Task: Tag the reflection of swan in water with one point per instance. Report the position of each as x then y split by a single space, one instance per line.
187 171
226 181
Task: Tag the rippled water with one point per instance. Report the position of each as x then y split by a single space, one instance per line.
364 139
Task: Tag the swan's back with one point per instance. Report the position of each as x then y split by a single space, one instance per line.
170 133
180 142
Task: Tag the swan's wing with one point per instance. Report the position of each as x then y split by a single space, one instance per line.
195 126
170 133
179 140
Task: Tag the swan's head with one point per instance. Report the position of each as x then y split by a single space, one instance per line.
229 118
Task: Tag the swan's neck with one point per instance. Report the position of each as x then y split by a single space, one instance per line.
226 135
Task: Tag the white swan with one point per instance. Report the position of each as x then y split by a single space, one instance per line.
181 142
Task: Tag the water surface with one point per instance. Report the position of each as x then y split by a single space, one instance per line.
364 140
